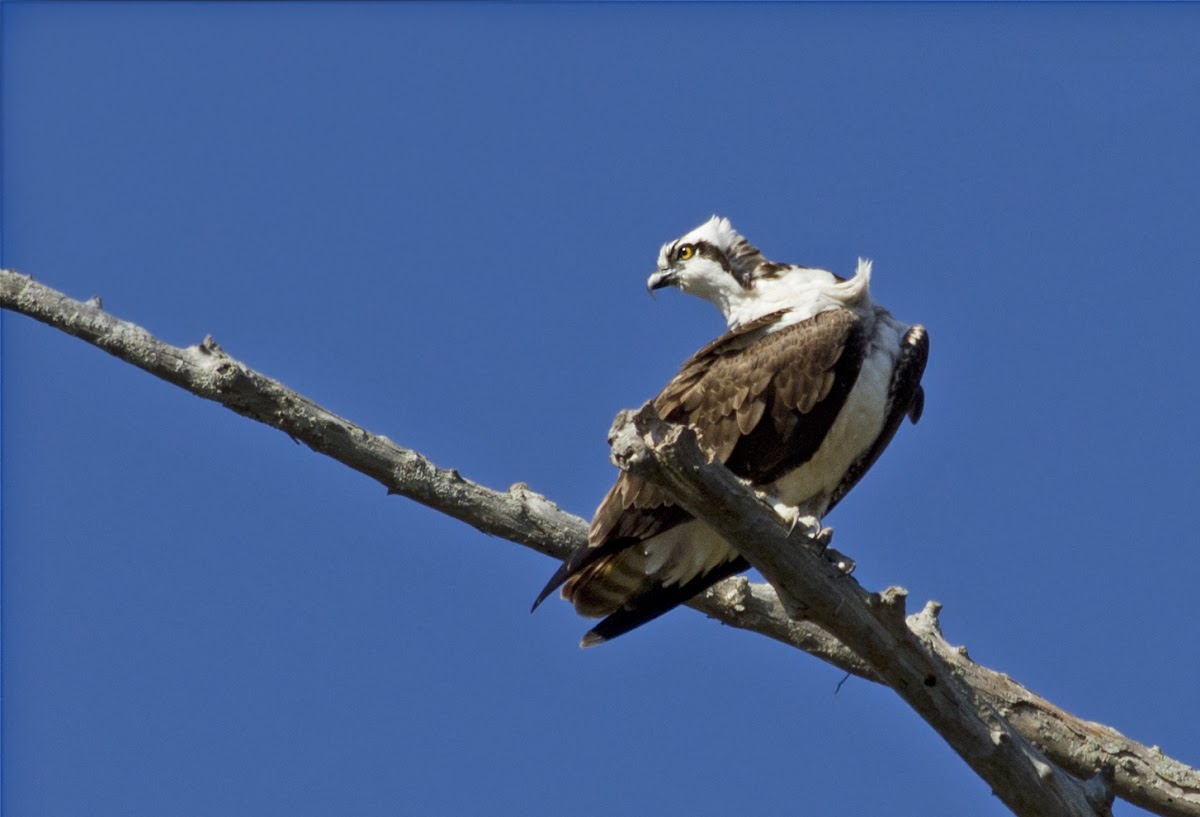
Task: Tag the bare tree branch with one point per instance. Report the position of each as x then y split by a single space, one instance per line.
872 624
1142 775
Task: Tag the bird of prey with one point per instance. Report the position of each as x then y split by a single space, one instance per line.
799 398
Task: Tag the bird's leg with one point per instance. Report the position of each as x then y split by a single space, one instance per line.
794 517
819 537
806 525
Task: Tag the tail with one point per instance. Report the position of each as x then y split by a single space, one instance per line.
656 601
593 560
616 587
657 558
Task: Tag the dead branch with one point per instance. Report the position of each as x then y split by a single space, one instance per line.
872 624
1141 775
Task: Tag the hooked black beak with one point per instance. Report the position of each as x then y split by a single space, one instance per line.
662 278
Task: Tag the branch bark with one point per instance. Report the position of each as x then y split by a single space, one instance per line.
1141 775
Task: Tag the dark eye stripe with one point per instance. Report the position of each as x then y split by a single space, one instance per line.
743 275
709 251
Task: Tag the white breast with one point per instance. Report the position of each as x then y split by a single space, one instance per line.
855 430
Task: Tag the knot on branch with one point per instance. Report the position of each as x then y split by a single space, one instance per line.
889 607
625 439
928 622
208 346
927 625
639 439
733 593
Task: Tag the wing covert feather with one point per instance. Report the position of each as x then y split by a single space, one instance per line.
802 369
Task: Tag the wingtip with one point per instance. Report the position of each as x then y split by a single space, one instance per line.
545 594
555 582
591 638
917 408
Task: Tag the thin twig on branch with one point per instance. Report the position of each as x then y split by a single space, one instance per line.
1141 775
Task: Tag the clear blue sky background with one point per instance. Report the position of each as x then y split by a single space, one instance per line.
437 220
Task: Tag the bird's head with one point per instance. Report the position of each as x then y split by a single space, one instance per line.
701 262
713 262
718 264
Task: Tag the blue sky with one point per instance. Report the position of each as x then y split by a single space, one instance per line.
437 220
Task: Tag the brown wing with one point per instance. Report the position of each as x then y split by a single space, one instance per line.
798 378
761 413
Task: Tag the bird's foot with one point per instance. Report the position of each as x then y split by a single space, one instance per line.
809 526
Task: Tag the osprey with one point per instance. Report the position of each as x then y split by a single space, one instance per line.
798 398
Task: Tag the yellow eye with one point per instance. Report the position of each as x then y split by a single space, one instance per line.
686 252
